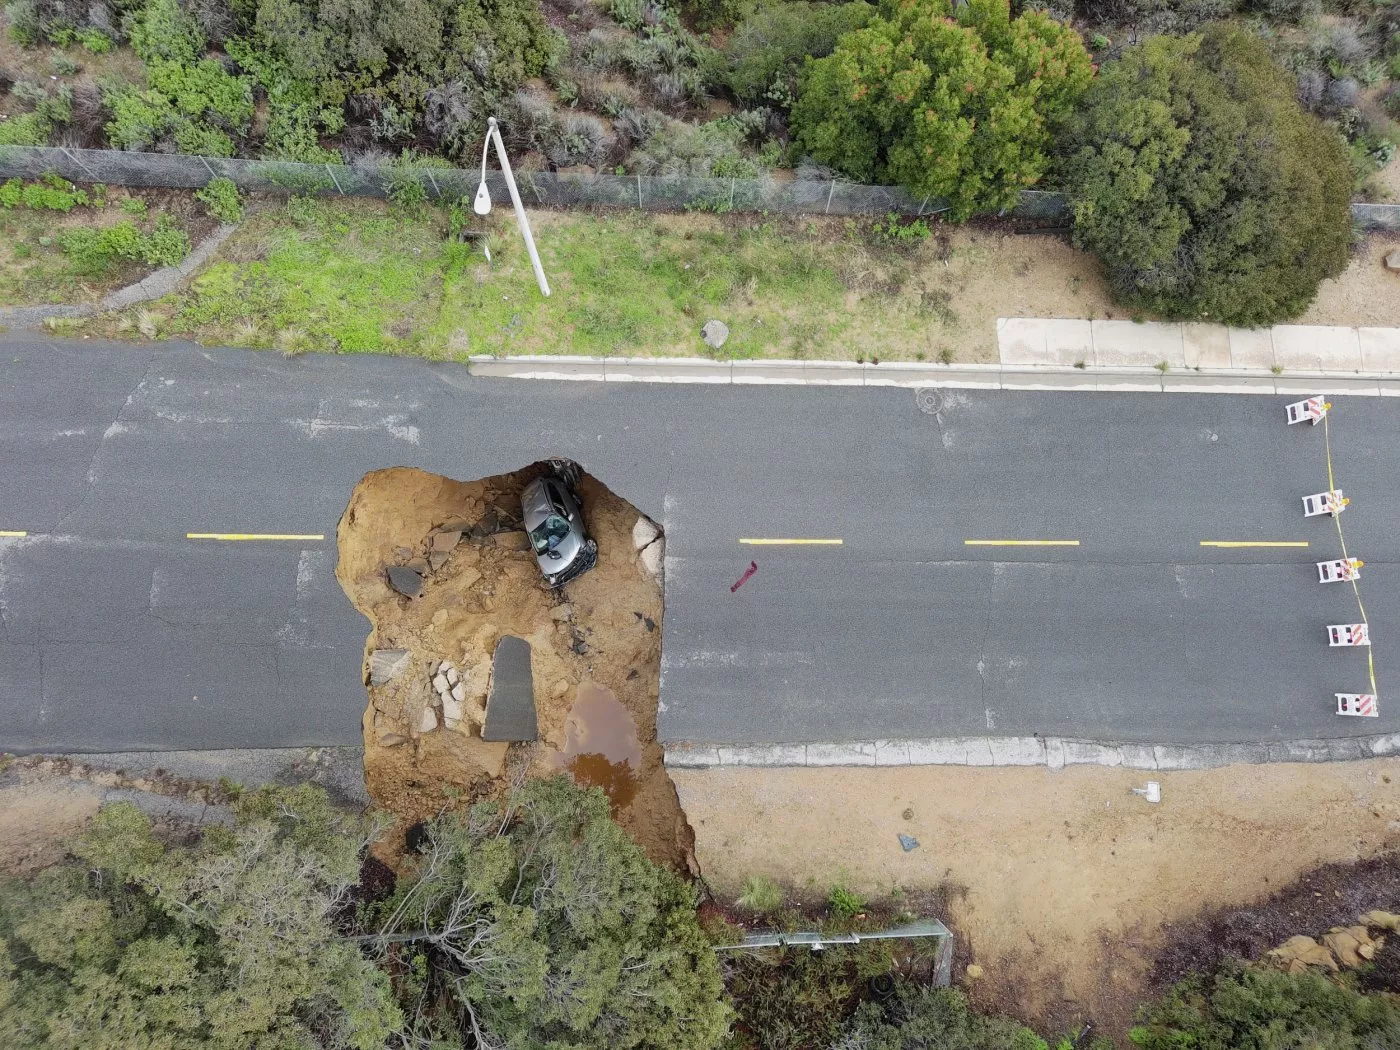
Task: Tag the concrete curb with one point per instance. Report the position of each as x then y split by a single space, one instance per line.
153 286
1051 752
904 374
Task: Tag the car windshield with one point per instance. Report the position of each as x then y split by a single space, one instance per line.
549 533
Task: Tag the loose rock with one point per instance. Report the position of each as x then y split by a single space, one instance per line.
974 971
1352 946
1384 920
451 712
561 613
427 721
440 684
1392 261
714 333
437 559
388 739
445 541
1299 952
386 664
512 541
405 581
644 532
652 559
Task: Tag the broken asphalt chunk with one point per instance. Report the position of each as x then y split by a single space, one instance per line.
405 580
386 664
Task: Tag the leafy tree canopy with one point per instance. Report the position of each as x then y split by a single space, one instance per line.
228 945
539 923
956 101
1203 187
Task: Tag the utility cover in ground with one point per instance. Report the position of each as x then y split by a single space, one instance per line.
510 712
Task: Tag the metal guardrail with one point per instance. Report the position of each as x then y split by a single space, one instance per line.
818 941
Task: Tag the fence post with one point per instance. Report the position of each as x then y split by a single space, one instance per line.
434 182
827 210
731 193
69 154
334 181
639 189
205 162
922 205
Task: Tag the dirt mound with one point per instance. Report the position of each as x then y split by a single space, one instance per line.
480 583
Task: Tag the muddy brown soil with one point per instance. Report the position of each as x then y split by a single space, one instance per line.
597 635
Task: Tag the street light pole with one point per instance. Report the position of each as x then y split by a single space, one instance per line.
482 204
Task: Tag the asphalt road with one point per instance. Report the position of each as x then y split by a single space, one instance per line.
119 633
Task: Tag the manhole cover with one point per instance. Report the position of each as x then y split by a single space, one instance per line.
928 399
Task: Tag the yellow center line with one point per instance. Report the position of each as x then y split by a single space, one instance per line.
806 543
12 532
1254 543
1020 543
254 536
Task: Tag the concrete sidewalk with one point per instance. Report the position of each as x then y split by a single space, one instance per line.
1075 343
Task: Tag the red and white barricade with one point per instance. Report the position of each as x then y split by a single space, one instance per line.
1332 503
1362 705
1348 634
1310 411
1339 570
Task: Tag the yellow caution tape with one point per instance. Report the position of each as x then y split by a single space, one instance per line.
1337 519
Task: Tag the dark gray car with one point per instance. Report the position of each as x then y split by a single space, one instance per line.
553 518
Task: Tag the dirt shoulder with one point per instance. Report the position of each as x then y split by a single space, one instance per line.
1065 884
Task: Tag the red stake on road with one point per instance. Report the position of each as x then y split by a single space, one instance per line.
753 568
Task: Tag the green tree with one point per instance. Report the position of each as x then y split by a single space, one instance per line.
538 923
767 48
228 944
957 101
1256 1008
1203 187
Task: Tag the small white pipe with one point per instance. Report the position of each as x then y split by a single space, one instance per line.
524 223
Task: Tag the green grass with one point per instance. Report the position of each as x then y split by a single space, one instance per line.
35 271
362 276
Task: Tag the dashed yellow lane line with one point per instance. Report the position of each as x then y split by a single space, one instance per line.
801 543
1020 543
254 536
1254 543
13 532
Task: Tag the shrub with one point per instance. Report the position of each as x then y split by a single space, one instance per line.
761 895
844 903
51 193
95 41
94 250
710 149
916 1017
222 199
1203 187
1247 1006
27 129
578 139
767 48
163 31
950 102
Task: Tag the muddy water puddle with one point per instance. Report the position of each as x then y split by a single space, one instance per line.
601 748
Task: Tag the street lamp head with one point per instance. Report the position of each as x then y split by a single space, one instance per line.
482 203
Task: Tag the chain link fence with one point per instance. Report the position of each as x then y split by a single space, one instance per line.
552 189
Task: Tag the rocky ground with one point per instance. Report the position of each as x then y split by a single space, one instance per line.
595 649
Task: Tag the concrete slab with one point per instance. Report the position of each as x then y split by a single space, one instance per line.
1021 340
1390 389
542 367
835 373
905 375
1017 751
666 370
1068 341
510 711
1306 386
773 755
1317 348
1252 348
891 752
1046 380
859 754
1130 343
948 752
1205 345
1193 383
769 372
690 756
966 377
1380 349
1137 381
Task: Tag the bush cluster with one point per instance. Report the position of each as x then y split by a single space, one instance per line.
222 199
957 101
1203 187
50 193
93 250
